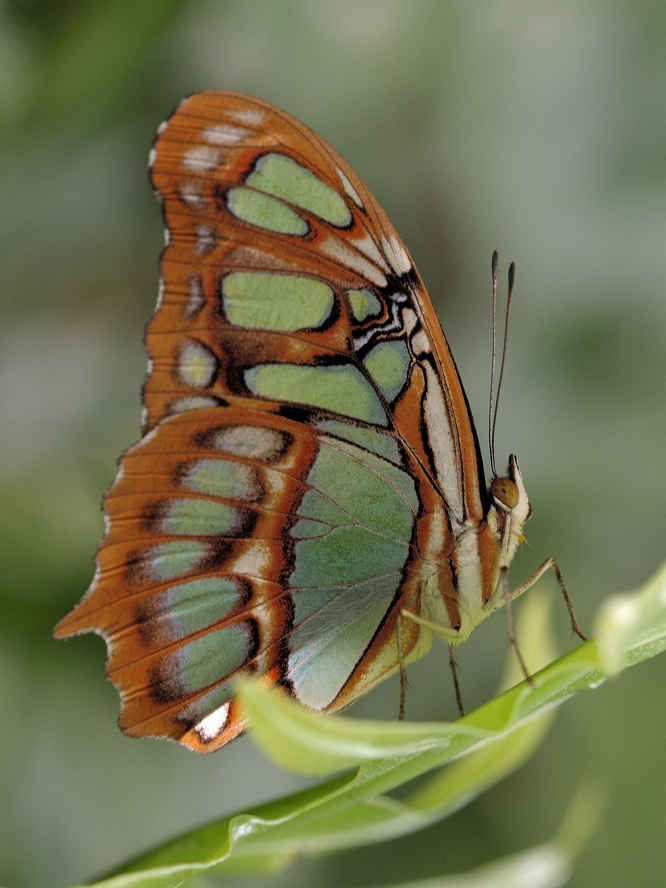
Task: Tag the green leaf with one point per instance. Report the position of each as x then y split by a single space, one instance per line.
354 808
632 627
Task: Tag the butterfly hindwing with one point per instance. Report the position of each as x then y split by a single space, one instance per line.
243 543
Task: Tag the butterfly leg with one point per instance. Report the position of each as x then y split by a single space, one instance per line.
453 663
510 627
403 673
451 637
539 572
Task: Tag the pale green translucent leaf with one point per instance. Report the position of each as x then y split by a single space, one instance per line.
542 867
354 808
631 627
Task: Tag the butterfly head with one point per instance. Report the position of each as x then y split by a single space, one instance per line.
510 509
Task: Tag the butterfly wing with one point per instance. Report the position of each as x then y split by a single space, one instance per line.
277 253
308 445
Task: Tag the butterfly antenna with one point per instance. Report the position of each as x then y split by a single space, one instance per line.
512 277
491 419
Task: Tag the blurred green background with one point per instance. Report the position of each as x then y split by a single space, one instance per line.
536 128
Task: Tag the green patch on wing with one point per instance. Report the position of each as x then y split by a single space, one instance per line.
210 657
223 478
265 212
282 177
191 607
283 302
364 304
199 517
388 364
340 389
175 559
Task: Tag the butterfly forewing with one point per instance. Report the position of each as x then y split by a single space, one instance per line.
278 254
309 454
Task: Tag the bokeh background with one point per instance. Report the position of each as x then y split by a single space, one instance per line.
536 128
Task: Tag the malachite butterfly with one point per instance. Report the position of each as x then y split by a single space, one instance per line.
307 503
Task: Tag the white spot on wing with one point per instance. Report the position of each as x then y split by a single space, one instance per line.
194 402
162 127
225 134
409 319
251 116
147 438
205 238
197 299
349 188
335 249
210 726
400 254
152 157
441 442
160 293
419 343
368 246
201 158
255 561
253 442
396 255
390 255
197 364
192 193
275 481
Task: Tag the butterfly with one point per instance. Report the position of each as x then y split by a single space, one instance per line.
307 503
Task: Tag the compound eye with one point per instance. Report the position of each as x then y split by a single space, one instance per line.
505 492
